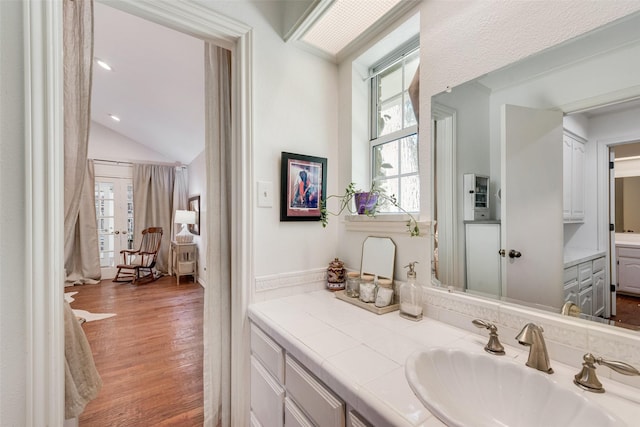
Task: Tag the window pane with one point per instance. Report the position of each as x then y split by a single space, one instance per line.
410 67
409 154
410 197
105 225
409 115
385 159
390 82
390 187
390 116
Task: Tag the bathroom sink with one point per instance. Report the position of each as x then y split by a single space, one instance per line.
467 389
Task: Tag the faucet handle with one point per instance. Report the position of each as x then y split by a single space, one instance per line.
587 378
493 346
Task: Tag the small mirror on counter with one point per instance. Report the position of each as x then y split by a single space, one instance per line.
378 257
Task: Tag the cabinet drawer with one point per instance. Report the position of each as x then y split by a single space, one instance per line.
268 352
293 416
570 274
267 396
584 271
355 420
628 252
598 265
318 402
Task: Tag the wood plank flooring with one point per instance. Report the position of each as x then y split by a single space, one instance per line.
149 355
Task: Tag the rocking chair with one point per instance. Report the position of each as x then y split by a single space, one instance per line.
137 266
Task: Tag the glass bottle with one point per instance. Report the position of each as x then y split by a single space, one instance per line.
411 296
353 284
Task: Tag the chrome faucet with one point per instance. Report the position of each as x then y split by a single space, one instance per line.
531 335
587 378
493 346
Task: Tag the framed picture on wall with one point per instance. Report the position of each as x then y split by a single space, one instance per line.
302 184
194 205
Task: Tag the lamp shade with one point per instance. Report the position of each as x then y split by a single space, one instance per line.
185 217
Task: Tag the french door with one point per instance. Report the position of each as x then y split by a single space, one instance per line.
114 213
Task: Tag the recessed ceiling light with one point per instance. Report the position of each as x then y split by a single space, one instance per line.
344 21
114 117
104 65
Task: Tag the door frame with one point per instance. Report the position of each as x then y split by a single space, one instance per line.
44 163
606 238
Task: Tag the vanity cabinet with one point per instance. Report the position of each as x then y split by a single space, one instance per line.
628 269
573 175
285 393
476 197
584 285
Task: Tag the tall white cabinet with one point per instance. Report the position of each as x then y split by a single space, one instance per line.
482 242
574 154
476 197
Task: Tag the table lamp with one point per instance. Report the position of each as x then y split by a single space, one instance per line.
184 218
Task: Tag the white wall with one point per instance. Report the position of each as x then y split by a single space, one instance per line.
13 298
197 187
294 103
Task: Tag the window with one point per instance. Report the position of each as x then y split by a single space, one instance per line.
394 128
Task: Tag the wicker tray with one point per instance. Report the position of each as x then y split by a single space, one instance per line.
369 306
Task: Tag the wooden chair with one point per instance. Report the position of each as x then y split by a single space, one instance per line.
137 266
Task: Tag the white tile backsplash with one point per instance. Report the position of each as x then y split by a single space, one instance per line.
567 339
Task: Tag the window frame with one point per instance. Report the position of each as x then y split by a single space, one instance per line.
388 61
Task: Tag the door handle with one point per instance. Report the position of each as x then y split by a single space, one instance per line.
116 232
502 252
124 232
514 254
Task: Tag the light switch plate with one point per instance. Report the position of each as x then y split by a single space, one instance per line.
265 194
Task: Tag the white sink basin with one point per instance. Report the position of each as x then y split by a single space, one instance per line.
467 389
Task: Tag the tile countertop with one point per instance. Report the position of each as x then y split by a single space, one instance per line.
361 355
575 256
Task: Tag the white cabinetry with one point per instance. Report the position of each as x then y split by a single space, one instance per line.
573 178
482 240
628 269
285 393
584 285
476 197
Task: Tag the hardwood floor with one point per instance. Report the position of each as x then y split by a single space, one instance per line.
149 355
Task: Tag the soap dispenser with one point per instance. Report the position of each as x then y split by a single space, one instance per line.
411 296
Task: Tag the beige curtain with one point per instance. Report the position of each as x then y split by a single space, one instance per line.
79 234
217 314
153 205
414 93
180 197
83 260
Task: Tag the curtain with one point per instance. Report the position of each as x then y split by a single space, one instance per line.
414 93
153 205
82 263
180 196
217 314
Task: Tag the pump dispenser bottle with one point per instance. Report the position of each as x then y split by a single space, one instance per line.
411 296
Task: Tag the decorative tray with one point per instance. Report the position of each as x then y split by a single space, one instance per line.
367 305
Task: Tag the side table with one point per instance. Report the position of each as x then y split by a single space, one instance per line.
184 260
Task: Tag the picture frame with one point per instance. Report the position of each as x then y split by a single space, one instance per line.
302 185
194 205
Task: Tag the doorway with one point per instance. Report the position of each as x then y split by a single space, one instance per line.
44 399
114 215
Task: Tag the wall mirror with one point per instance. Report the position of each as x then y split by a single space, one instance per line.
513 126
378 257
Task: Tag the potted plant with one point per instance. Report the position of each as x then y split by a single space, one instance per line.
366 203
